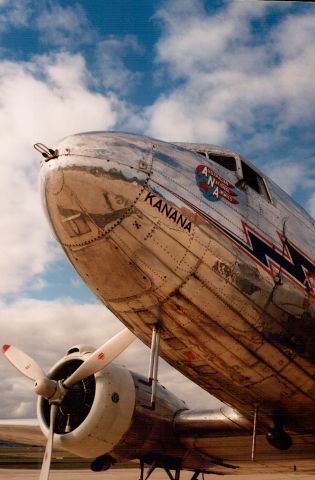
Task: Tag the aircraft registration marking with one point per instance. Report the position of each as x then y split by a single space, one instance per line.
213 186
168 210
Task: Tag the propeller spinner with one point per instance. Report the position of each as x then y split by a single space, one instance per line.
55 391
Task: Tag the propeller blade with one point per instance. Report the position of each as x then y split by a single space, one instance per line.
102 357
23 362
44 473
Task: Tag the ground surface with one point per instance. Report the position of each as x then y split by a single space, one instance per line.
128 474
23 463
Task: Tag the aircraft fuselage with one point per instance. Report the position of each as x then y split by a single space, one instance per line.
207 247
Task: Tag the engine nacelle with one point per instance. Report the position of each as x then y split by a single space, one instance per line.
109 413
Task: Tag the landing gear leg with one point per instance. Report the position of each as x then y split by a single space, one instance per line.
151 470
195 475
141 470
175 476
154 363
169 473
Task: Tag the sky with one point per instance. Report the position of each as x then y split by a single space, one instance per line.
239 74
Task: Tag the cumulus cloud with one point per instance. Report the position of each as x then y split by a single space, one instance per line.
15 14
112 70
194 41
43 100
174 118
294 175
228 84
50 328
45 330
63 26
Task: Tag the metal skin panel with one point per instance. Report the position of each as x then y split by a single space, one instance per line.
231 284
151 431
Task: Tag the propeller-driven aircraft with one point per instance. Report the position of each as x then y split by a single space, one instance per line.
204 258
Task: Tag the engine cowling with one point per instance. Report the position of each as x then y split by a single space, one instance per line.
108 414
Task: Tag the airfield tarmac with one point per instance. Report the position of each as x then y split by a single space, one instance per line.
117 474
131 474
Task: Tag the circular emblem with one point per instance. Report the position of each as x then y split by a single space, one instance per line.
207 185
213 186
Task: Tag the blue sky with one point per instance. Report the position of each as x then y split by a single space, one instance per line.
235 73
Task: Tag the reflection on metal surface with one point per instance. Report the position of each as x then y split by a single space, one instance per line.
73 222
233 296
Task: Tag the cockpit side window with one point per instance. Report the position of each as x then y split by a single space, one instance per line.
250 177
247 175
225 161
254 180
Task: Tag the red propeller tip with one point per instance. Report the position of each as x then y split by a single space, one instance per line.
5 348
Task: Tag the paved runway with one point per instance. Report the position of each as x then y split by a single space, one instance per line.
128 474
131 474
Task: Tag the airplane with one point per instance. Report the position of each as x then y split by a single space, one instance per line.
211 264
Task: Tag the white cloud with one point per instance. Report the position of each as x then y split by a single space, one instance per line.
286 40
195 42
15 14
293 178
174 119
63 26
46 330
112 71
230 80
50 328
43 100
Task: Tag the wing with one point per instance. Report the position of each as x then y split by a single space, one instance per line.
232 455
225 438
22 431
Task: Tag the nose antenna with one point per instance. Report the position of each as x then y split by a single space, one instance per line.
47 153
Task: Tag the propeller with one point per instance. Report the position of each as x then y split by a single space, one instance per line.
102 357
44 473
55 391
23 362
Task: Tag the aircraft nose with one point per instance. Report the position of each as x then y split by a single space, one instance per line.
92 183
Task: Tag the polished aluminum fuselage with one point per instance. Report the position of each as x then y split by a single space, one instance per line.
229 282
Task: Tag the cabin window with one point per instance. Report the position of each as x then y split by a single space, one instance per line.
254 180
225 161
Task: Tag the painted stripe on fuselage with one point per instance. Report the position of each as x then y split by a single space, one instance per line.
288 259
